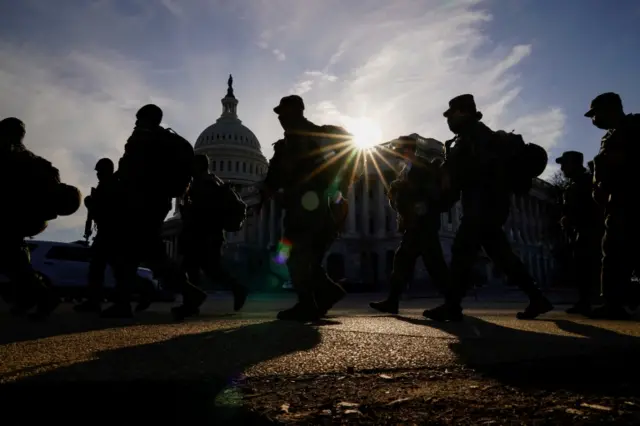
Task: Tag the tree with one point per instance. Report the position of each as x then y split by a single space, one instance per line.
559 180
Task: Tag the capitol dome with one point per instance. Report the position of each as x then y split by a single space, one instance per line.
234 151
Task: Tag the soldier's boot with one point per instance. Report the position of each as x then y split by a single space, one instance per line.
444 313
240 294
633 299
538 305
580 308
146 297
45 307
448 312
388 306
610 312
21 307
305 310
328 296
118 310
192 299
88 306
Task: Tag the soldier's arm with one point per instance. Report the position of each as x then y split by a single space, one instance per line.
132 153
273 180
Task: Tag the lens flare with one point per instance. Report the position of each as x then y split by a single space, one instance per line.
366 132
282 252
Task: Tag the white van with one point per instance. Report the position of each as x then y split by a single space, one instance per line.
65 267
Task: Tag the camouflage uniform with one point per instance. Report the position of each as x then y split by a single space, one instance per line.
415 196
477 171
202 236
101 205
144 204
582 221
20 221
313 218
616 182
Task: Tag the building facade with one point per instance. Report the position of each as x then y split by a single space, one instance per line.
364 252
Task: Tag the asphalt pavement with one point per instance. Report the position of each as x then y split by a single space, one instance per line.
222 346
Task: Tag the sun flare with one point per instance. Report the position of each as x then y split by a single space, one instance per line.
366 132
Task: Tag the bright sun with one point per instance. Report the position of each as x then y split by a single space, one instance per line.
366 132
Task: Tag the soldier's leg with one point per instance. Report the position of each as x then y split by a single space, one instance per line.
587 272
191 265
97 270
464 253
327 292
497 247
404 262
124 267
171 273
619 254
433 259
211 264
302 257
29 288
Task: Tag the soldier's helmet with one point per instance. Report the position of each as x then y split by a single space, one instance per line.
105 165
150 113
403 142
68 199
12 127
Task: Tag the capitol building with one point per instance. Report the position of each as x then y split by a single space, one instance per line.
364 252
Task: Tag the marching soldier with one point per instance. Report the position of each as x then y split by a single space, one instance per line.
582 222
314 204
476 170
416 198
616 182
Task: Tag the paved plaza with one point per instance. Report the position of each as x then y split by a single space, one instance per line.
222 346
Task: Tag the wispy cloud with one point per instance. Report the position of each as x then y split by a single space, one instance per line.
265 42
395 62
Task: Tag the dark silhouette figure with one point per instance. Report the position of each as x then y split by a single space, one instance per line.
416 197
202 237
156 167
476 164
101 205
33 187
582 222
304 179
616 181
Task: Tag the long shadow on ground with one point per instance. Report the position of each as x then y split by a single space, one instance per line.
65 321
593 361
185 380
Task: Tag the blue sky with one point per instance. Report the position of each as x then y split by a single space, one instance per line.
76 72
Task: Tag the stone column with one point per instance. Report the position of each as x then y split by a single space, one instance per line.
538 215
380 210
351 222
365 206
524 219
272 222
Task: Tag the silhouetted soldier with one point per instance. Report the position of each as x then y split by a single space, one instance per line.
32 186
207 205
416 197
582 222
101 207
616 182
312 198
478 166
156 167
